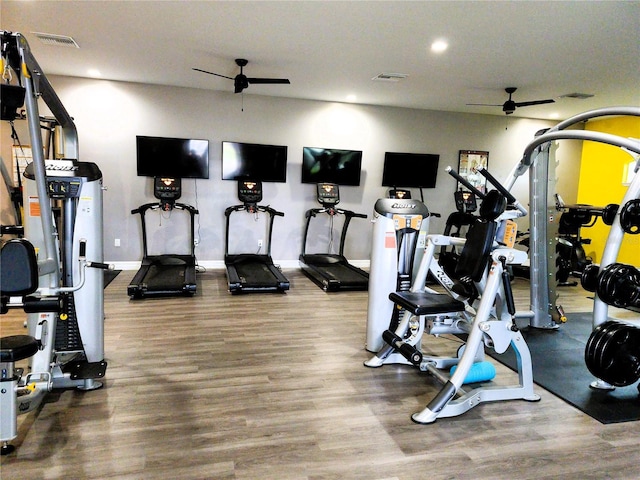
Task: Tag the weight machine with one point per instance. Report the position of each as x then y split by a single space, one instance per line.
485 316
544 225
61 287
625 221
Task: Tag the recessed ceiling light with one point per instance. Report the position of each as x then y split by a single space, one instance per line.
94 72
439 46
351 98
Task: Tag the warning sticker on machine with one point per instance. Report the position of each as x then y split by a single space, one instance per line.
390 240
34 207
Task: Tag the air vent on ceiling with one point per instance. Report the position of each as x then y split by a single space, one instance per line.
579 96
56 40
389 77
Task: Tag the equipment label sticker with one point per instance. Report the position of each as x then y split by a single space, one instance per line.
34 207
390 240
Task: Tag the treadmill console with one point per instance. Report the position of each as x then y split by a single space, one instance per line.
167 190
328 194
400 194
249 192
466 201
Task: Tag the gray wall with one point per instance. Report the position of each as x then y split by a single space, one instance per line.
109 115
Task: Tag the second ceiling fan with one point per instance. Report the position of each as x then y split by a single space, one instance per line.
510 106
241 81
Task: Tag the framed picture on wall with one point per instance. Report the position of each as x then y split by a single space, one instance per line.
468 162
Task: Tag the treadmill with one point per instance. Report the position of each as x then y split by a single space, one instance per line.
168 274
253 272
332 272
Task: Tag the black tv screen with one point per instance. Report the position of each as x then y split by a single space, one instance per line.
172 157
253 161
410 170
330 165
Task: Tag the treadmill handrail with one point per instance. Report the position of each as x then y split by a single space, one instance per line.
258 208
349 214
155 205
142 209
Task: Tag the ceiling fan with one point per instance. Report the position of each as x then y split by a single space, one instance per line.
510 106
241 81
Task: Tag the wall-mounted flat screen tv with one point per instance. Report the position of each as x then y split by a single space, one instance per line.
254 161
172 157
410 170
330 165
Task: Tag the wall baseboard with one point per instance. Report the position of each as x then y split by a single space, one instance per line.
219 264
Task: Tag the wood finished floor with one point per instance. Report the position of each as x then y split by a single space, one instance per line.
272 386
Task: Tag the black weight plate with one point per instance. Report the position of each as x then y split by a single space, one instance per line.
617 360
598 336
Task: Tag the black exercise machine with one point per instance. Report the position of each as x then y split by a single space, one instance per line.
457 224
332 272
167 274
253 272
572 258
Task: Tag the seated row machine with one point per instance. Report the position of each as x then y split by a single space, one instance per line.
483 311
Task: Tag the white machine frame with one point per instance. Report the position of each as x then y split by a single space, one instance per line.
487 320
67 290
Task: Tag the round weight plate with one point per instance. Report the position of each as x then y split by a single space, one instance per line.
615 357
630 217
609 213
594 344
589 277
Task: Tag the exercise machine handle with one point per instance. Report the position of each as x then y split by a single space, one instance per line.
506 283
510 198
407 351
100 265
464 182
355 215
485 173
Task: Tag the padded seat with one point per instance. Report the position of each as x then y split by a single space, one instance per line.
424 303
17 347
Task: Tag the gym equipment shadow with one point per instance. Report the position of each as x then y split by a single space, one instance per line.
109 276
559 367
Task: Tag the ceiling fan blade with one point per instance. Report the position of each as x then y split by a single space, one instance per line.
484 104
268 80
211 73
534 102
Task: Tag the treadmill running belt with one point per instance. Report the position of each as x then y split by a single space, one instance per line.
257 272
164 277
343 274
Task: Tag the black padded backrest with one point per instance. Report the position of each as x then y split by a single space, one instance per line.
492 206
458 220
475 253
18 268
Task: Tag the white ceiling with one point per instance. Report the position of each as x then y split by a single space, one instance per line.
330 49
